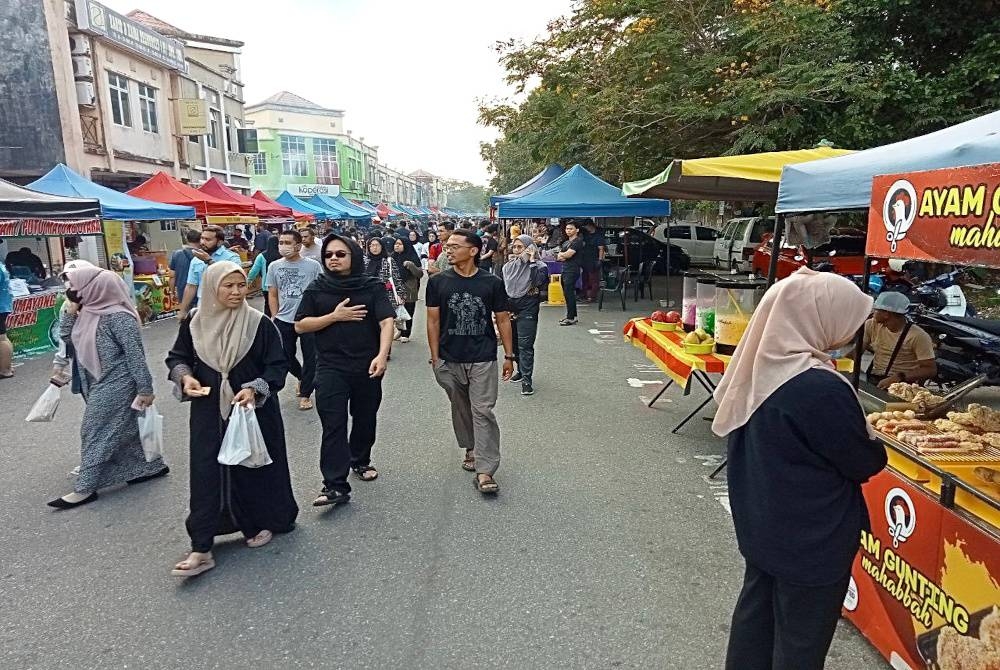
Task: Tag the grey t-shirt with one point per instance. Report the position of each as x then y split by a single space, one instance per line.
290 279
314 252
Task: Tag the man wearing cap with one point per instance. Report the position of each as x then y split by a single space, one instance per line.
913 361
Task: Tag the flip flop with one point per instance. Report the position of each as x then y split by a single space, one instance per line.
258 541
203 566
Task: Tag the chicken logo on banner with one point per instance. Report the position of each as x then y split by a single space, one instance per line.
898 211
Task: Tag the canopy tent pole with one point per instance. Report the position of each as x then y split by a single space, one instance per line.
779 231
859 340
666 289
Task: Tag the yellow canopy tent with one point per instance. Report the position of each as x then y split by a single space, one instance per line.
751 177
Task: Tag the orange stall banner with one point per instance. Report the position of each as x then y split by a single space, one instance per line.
921 571
941 216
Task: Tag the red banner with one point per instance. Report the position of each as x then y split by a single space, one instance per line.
48 227
924 578
947 216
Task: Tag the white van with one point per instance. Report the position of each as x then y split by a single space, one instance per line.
739 238
694 238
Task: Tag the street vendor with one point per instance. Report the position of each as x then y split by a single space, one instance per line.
902 351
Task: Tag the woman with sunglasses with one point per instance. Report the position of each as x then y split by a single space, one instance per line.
352 320
102 326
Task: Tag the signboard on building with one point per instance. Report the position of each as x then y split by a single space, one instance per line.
193 115
96 19
309 190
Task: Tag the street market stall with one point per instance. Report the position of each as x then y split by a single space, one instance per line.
39 222
926 584
127 217
278 212
338 210
543 178
289 200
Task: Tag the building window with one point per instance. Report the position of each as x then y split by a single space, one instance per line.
147 108
121 114
229 131
327 168
213 131
293 156
168 226
258 163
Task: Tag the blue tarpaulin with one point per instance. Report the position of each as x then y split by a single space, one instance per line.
337 210
60 180
579 193
289 200
356 211
846 182
546 176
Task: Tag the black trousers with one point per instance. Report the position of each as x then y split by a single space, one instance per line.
568 280
524 328
411 307
337 394
305 372
782 626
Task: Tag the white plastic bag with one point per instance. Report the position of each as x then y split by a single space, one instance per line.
45 407
402 315
151 433
243 443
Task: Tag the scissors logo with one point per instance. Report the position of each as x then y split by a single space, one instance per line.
901 515
898 211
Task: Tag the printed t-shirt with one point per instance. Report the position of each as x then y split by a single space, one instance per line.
467 306
290 279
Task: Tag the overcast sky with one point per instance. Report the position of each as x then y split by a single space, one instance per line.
406 72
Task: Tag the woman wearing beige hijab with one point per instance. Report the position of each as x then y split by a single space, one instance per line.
228 354
799 450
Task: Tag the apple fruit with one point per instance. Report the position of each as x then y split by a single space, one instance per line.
673 317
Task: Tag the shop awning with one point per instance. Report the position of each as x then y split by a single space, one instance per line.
579 193
261 197
289 200
161 187
546 176
339 210
216 188
752 177
60 180
17 202
846 182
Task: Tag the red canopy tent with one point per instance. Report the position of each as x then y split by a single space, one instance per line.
260 198
214 187
384 211
161 187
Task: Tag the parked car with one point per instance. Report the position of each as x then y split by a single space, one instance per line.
642 246
697 240
735 246
846 253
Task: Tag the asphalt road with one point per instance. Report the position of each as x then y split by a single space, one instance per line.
607 547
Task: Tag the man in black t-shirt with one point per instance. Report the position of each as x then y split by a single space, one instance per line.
352 319
489 251
571 255
461 305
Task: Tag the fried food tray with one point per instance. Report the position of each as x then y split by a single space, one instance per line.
927 642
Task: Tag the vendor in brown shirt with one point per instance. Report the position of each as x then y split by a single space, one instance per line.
915 361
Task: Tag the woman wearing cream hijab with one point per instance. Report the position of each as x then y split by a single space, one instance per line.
799 450
228 354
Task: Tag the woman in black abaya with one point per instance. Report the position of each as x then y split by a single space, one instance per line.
231 349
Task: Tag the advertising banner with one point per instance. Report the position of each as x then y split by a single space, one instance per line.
193 116
96 19
119 256
309 190
921 584
945 216
33 326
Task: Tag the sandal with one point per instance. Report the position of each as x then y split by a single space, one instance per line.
488 486
469 462
260 539
362 471
204 565
331 498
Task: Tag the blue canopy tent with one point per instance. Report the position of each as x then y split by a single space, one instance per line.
845 182
339 211
579 193
356 211
404 209
543 178
289 200
365 205
115 205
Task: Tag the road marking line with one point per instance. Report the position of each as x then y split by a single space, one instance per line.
640 383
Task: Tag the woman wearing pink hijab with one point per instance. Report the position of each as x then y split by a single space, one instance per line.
103 326
799 450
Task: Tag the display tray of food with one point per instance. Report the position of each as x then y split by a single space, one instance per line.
946 649
970 437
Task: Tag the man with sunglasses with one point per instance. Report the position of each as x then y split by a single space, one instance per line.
462 303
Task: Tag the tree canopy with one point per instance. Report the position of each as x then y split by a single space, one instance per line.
622 86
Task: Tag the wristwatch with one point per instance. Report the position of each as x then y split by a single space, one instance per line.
509 357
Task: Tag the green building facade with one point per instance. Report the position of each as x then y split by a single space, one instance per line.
306 165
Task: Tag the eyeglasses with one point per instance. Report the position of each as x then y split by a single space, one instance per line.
336 254
452 247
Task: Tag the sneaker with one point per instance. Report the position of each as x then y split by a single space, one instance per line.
568 322
527 390
404 339
516 377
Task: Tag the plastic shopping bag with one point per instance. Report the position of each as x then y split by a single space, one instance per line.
243 443
45 407
151 433
402 315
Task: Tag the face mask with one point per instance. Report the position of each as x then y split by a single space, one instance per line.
286 251
73 296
